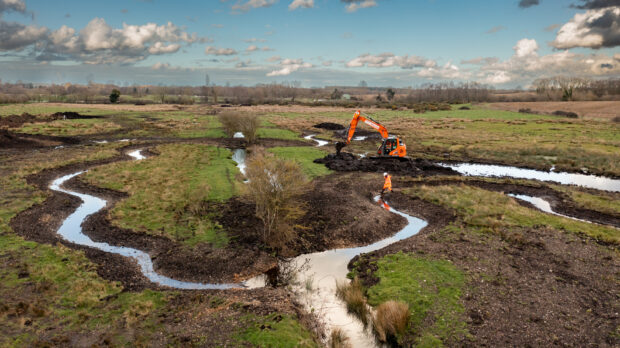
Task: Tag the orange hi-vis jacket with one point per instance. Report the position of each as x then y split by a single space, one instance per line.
387 185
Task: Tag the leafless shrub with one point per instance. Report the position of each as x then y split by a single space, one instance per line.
352 294
230 122
275 186
390 320
234 122
339 339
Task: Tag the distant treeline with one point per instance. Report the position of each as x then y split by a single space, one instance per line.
557 88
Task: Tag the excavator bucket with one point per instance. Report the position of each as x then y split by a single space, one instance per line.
339 146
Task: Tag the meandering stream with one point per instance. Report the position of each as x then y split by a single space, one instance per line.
322 270
71 231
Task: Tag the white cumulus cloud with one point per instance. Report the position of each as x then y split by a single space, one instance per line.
211 50
385 60
594 29
288 66
250 4
301 3
354 5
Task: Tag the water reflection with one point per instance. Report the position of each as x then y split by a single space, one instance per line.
591 181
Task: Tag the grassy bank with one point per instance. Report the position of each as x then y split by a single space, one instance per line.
169 193
431 288
489 212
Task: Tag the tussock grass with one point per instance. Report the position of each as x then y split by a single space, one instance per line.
390 320
338 339
70 127
274 331
352 293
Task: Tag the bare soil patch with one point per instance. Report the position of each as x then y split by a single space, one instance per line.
527 286
10 139
339 213
585 109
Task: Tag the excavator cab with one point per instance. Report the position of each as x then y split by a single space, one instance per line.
392 147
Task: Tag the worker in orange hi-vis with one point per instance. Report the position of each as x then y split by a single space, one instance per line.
387 184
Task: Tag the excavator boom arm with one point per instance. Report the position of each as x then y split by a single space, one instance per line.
374 124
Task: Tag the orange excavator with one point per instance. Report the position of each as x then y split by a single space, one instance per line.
392 146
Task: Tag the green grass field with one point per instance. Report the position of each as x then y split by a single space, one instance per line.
304 156
482 134
168 192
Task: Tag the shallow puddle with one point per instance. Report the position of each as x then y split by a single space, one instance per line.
543 205
489 170
318 141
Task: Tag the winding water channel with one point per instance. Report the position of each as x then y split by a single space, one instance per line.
71 231
316 285
491 170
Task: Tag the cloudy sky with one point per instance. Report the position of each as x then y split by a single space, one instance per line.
397 43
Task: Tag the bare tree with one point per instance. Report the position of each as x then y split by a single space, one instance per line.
275 186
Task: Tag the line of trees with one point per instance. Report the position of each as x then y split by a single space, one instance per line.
575 88
555 88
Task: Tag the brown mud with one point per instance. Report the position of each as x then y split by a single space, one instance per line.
339 212
347 162
10 139
525 286
16 121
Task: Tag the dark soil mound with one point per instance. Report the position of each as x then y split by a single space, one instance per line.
14 121
338 214
568 114
70 115
348 162
329 125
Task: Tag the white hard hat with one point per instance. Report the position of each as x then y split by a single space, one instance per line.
385 174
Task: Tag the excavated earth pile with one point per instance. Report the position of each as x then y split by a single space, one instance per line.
347 162
329 126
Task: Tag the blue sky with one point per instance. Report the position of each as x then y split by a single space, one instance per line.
327 42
